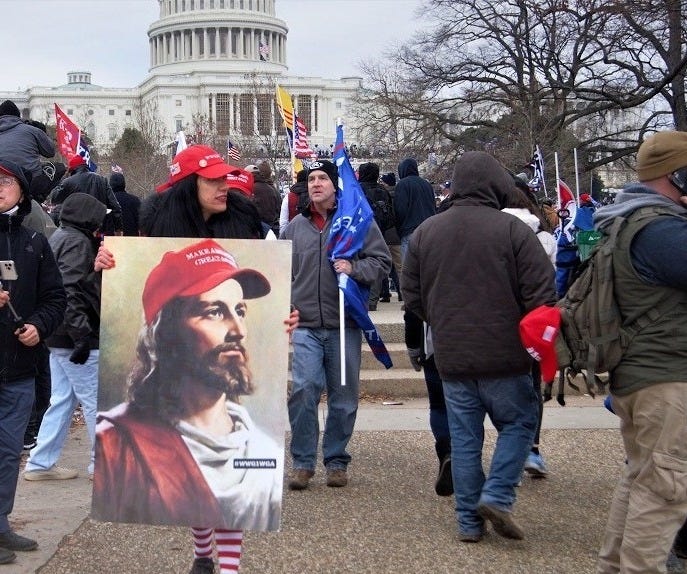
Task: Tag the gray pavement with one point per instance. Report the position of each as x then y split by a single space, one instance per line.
387 520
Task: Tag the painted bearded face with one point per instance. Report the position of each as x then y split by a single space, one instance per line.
213 329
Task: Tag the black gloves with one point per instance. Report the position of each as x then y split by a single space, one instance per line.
417 358
81 351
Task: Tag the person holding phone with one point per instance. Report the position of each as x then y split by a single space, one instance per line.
32 306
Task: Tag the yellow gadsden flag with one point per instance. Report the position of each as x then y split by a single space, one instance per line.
287 114
285 108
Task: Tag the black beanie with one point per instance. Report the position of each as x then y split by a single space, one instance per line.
327 167
389 179
9 108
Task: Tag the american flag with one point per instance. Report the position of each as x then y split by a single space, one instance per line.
264 50
301 149
232 151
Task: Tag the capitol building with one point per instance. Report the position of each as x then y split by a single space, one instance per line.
218 60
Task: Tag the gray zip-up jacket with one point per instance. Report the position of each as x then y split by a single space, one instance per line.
314 290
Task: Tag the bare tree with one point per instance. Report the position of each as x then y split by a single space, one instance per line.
591 74
143 152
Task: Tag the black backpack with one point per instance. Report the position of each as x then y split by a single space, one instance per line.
382 208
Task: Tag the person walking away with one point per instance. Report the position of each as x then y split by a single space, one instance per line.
32 305
82 180
521 207
413 201
265 196
380 202
393 242
649 385
130 204
482 270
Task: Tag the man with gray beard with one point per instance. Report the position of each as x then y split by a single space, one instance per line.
183 450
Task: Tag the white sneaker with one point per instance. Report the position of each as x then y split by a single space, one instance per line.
53 473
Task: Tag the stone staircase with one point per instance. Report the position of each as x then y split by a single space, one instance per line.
402 381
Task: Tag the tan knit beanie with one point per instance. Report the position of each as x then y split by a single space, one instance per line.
661 154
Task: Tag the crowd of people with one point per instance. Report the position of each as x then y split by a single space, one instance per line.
425 241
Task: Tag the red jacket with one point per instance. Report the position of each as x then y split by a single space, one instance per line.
145 474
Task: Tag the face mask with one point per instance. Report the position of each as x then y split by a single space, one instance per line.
679 179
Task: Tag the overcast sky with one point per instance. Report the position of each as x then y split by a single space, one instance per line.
42 40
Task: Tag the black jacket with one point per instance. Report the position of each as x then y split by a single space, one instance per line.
413 198
85 181
75 248
37 295
129 203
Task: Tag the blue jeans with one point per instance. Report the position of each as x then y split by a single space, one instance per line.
71 384
16 401
511 404
405 240
438 419
316 368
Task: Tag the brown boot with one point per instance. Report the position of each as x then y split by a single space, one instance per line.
337 477
300 477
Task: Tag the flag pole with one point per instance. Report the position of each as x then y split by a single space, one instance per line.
342 317
577 179
558 190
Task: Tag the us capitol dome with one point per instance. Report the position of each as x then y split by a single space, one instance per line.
213 59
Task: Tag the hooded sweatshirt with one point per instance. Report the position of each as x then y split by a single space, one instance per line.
75 247
472 272
413 198
24 144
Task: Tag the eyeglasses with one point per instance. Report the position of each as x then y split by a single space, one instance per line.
7 181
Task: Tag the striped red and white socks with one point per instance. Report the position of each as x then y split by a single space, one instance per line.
228 544
229 550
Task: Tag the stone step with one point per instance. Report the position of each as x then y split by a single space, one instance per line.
397 352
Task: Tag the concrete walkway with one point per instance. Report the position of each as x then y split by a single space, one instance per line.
388 520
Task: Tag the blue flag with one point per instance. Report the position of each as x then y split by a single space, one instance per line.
350 223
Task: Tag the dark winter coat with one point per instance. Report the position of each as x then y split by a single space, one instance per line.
85 181
472 272
267 200
75 248
24 144
37 295
130 204
413 198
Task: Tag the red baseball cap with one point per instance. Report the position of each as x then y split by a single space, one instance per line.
199 159
195 270
538 332
75 161
242 180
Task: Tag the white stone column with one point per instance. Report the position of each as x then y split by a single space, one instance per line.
194 44
205 44
241 51
216 42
